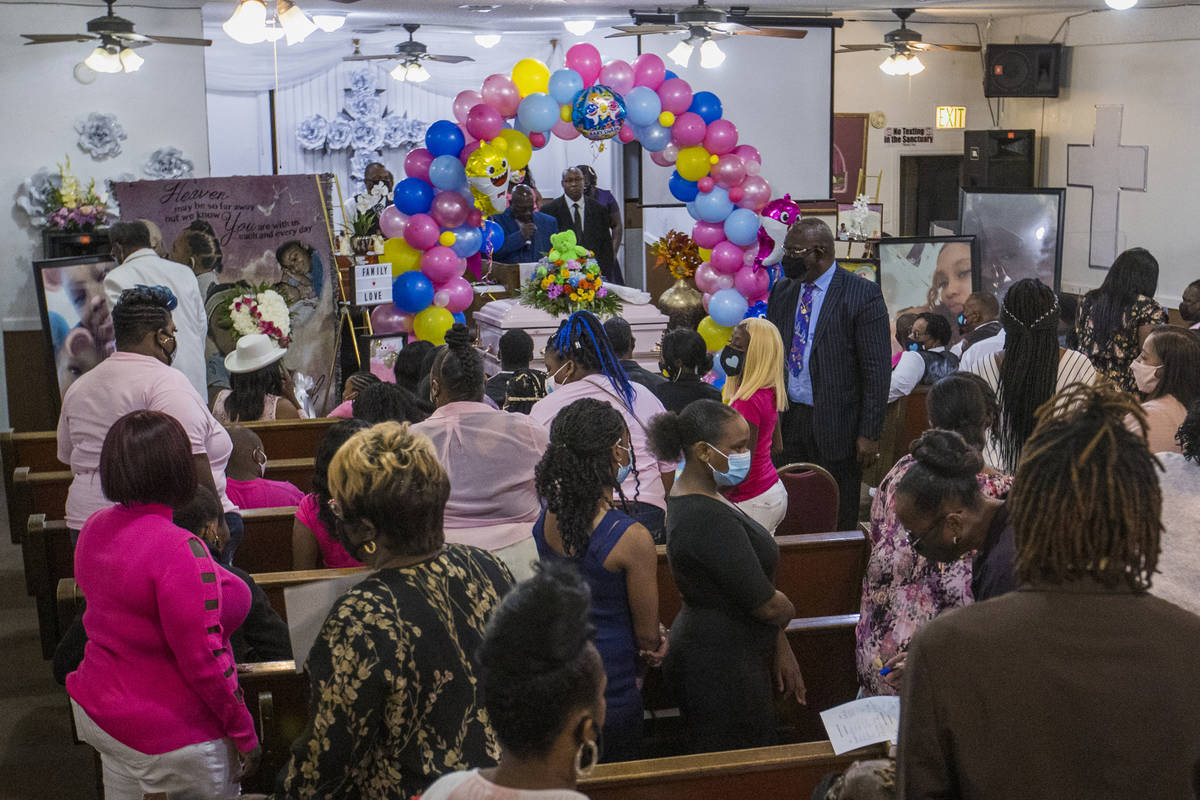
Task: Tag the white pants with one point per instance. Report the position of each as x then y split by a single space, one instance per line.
519 558
769 508
204 771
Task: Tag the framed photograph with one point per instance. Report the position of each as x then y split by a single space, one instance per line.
849 167
75 318
1019 234
862 267
928 273
871 228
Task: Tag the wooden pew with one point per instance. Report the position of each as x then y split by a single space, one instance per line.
274 583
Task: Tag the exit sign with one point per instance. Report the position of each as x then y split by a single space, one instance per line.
951 117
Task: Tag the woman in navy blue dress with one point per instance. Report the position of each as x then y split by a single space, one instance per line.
588 458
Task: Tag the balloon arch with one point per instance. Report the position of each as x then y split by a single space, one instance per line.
438 226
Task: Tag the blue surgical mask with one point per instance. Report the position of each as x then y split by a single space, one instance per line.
551 383
623 470
913 346
739 468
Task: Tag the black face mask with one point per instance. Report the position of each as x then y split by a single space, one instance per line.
733 361
793 267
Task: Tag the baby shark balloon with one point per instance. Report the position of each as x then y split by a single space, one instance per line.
487 174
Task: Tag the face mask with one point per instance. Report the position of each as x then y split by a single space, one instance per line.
733 361
961 319
909 344
551 383
1145 376
792 267
739 468
623 470
260 458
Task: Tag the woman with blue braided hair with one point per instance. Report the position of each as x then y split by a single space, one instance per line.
588 367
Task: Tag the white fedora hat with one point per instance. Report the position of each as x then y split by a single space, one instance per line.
253 353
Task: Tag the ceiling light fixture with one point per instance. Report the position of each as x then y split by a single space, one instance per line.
329 22
579 27
248 23
681 53
1121 5
131 61
710 55
487 39
410 72
105 58
902 64
295 23
273 32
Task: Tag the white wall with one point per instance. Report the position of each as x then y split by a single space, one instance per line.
1140 59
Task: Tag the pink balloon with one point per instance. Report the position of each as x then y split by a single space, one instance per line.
627 134
470 147
706 278
484 122
584 59
649 70
389 319
421 233
660 158
751 282
474 217
721 137
708 234
730 170
688 130
392 223
736 194
676 95
501 93
707 296
475 264
440 264
747 153
441 298
416 163
459 293
538 140
724 281
618 76
756 194
565 130
750 254
464 102
706 184
450 209
726 257
753 167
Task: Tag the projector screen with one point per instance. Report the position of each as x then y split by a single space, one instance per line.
779 94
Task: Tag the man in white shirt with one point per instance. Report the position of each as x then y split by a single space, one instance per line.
140 265
979 321
931 362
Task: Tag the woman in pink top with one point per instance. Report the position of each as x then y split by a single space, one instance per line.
157 693
354 384
313 545
1167 373
260 387
754 387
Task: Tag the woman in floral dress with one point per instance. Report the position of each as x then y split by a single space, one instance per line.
901 589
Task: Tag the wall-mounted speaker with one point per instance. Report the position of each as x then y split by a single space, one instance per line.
1000 159
1022 70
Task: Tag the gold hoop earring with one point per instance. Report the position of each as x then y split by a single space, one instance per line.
369 548
584 764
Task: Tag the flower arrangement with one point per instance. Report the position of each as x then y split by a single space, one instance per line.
260 310
55 200
678 253
366 211
567 280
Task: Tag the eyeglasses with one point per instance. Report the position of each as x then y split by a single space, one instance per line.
915 539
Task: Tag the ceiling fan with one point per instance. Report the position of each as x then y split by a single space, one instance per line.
117 41
410 54
904 43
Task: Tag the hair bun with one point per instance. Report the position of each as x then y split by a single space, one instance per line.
946 453
458 337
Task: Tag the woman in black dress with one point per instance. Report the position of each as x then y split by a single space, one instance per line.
685 360
728 648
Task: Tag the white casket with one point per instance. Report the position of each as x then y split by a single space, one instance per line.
498 316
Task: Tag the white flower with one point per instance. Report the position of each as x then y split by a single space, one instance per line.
363 81
338 135
265 312
367 134
167 162
100 134
34 194
362 106
358 163
400 131
310 133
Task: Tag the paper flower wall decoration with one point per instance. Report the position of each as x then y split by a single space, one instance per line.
100 135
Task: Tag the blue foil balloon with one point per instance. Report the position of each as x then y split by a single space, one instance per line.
643 106
447 173
707 105
564 85
467 241
727 307
538 112
598 112
413 196
412 291
684 190
443 138
759 309
741 227
653 137
714 206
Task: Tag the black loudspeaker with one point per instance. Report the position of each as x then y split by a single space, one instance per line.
1022 70
998 159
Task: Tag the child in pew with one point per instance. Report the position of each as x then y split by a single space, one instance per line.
263 636
313 546
354 384
244 481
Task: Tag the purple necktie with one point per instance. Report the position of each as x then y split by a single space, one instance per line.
800 337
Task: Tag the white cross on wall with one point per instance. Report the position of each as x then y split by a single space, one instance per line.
1106 167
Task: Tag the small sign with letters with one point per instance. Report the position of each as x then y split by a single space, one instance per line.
372 284
908 136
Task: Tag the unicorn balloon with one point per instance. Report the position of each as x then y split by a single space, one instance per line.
777 216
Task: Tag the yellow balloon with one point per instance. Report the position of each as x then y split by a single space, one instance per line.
666 119
564 112
713 159
705 254
517 149
715 336
531 76
432 324
692 163
447 238
401 256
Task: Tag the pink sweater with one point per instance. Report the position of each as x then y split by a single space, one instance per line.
158 672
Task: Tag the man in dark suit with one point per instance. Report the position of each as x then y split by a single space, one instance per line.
590 220
526 232
834 327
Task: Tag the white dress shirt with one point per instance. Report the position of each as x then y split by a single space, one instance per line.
146 268
982 350
908 373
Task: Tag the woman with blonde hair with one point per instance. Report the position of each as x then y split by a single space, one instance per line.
395 696
755 388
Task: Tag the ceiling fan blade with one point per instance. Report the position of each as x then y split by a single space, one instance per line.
52 38
729 27
179 40
862 48
446 59
645 30
781 33
389 56
958 48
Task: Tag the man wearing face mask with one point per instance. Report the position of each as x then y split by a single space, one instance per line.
835 331
979 323
140 265
245 483
1189 306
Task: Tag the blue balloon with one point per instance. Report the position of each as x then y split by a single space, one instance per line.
447 172
741 227
467 241
693 212
443 138
714 206
642 106
564 85
653 137
538 112
493 235
727 307
707 105
413 196
682 189
460 317
668 75
412 291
